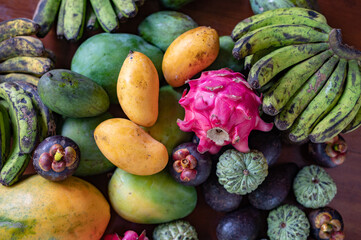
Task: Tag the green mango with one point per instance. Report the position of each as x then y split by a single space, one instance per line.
175 4
225 58
161 28
81 130
166 130
152 199
101 58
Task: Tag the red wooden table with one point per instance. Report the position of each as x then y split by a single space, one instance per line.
223 16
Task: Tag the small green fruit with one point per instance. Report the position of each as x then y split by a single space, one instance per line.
180 230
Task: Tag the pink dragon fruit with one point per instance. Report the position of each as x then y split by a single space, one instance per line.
221 108
128 235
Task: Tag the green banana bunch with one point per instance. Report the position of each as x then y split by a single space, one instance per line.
18 27
299 63
31 65
74 18
45 14
21 46
5 134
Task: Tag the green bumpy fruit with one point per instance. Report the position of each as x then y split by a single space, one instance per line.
180 230
241 173
313 187
81 131
101 58
166 130
225 58
152 199
161 28
71 94
288 222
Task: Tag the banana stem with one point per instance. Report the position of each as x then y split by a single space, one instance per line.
340 49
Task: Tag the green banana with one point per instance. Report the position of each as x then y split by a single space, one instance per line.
60 22
46 121
18 27
91 19
276 36
304 95
45 14
49 54
354 124
11 77
344 111
128 8
271 64
5 134
22 114
250 60
287 85
320 105
31 65
243 28
74 19
14 166
105 14
21 46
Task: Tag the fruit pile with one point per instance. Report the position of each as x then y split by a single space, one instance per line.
186 120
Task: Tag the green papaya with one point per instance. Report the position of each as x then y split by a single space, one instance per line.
81 131
161 28
165 129
71 94
101 57
152 199
225 58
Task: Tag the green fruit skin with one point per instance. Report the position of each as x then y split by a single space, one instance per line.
166 130
225 58
175 4
150 199
71 94
81 130
101 58
161 28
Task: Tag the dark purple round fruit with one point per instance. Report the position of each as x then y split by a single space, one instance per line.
188 166
218 198
326 224
243 224
269 143
329 154
56 158
275 188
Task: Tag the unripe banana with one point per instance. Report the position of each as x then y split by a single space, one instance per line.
285 87
12 77
344 111
105 14
31 65
18 27
244 27
320 105
91 21
21 46
74 18
354 124
14 167
276 36
270 65
5 134
45 14
304 95
128 8
60 22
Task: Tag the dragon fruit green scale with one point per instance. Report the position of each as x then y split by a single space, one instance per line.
221 108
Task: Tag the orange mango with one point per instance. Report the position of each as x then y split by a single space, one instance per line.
190 53
129 147
138 89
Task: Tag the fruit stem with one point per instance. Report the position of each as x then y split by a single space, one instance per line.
58 156
340 49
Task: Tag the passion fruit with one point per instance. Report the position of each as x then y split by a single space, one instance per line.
56 158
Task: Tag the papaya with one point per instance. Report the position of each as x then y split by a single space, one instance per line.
81 131
150 199
129 147
165 129
161 28
101 57
71 94
36 208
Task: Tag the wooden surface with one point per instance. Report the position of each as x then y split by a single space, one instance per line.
223 16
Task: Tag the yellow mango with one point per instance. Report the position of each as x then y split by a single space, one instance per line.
138 89
129 147
190 53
